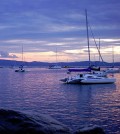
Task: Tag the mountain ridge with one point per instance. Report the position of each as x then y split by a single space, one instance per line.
41 64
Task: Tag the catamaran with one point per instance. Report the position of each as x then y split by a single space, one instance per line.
88 79
93 77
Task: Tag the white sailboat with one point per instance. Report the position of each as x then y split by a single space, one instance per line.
21 67
88 78
112 69
55 66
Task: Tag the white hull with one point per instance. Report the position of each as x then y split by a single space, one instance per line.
88 79
98 81
112 70
55 67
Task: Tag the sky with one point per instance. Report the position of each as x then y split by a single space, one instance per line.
55 30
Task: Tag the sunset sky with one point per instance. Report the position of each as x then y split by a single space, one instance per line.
48 27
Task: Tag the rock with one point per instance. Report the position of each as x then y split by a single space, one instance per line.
13 122
90 130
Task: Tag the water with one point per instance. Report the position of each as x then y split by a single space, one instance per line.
40 91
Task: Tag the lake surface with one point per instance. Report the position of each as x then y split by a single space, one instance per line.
39 91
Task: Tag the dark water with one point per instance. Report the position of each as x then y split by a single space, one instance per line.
40 91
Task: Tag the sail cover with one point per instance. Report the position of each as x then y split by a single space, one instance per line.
79 70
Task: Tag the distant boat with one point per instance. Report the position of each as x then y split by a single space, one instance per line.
56 66
21 67
112 69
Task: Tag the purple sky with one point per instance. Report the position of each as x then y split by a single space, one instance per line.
43 27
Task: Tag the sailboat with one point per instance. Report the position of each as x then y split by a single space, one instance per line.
55 66
21 67
88 78
112 69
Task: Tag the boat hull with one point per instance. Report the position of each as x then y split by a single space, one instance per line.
99 81
88 79
19 70
55 67
113 70
77 81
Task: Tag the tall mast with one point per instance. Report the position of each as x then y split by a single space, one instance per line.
22 53
87 37
56 55
99 49
113 55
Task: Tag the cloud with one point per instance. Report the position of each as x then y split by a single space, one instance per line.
44 25
7 55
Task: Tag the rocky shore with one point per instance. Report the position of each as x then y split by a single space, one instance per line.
14 122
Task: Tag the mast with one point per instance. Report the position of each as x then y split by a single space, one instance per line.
99 50
22 53
87 37
56 55
113 55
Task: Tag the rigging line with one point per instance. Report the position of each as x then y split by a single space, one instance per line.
96 45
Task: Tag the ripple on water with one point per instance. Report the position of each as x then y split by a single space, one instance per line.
40 90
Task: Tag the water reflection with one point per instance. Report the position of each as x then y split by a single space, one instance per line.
40 90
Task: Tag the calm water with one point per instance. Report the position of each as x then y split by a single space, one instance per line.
40 91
